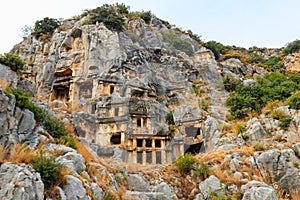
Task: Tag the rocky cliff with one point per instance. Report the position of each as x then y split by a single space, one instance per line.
133 102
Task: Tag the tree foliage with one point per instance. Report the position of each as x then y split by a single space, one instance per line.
216 47
291 47
108 15
274 86
45 27
13 61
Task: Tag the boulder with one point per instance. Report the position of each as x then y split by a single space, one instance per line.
20 182
137 182
27 122
258 190
255 130
74 189
165 189
280 167
211 132
211 185
74 161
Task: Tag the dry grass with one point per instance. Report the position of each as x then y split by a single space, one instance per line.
219 173
21 154
4 84
85 152
217 156
271 105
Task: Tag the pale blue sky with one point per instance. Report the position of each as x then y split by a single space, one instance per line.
246 23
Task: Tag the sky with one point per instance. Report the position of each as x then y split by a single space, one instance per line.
244 23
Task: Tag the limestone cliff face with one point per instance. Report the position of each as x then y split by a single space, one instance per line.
122 85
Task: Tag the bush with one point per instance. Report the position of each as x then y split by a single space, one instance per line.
216 47
48 169
122 8
45 27
274 62
13 61
291 47
203 171
230 84
294 100
169 118
277 114
285 121
106 14
145 15
184 163
274 86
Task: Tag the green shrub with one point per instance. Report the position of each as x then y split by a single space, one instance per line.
145 15
55 127
122 8
285 121
45 27
277 114
294 100
239 128
169 118
67 140
254 58
274 62
274 86
48 169
13 61
106 14
184 163
216 47
203 171
230 84
291 47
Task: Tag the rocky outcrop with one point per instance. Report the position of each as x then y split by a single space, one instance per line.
255 130
280 168
20 182
258 190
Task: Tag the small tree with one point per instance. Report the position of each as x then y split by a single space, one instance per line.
45 27
291 47
13 61
108 15
185 163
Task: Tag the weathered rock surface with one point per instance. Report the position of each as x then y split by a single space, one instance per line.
255 130
258 190
211 185
280 167
74 189
74 161
20 182
138 183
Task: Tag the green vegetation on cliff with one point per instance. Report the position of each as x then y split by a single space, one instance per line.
251 98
